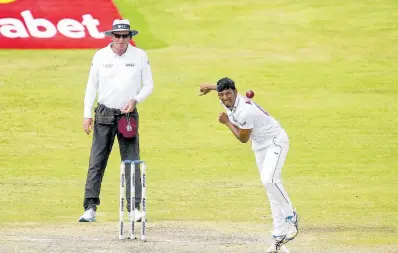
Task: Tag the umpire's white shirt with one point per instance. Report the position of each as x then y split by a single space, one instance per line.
118 79
246 114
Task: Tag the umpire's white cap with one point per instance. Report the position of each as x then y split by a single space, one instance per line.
121 25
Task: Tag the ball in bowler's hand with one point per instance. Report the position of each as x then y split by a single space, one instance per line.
249 94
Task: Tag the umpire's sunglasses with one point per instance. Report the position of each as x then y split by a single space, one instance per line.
124 36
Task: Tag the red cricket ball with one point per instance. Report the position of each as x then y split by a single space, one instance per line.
249 94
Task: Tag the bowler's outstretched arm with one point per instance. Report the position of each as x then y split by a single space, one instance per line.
206 88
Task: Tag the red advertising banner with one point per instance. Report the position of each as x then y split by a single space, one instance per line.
34 24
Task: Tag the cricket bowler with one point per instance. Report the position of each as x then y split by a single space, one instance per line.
270 143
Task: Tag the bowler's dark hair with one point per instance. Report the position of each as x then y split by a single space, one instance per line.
225 84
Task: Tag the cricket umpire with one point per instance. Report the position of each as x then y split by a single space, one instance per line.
121 77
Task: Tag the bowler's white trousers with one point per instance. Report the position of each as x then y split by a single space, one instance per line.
270 161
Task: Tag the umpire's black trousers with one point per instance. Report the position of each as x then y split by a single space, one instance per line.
105 129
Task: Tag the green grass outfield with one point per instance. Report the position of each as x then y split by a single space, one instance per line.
327 70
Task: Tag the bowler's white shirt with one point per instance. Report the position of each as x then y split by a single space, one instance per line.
246 114
118 79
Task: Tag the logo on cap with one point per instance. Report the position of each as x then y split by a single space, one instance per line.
123 26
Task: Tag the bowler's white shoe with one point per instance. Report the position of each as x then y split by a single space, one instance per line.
276 244
292 226
88 216
137 215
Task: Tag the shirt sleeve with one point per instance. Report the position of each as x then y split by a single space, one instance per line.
91 88
246 121
146 79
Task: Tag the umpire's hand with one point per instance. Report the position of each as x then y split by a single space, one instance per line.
129 107
87 125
